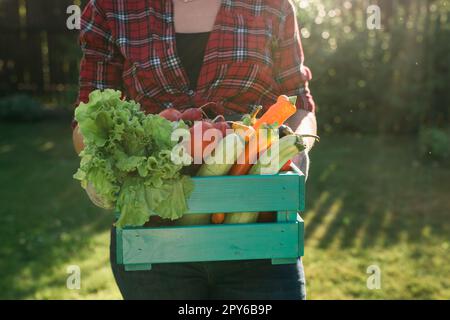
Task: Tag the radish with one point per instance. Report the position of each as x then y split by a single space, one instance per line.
171 114
222 127
220 124
192 114
203 140
219 118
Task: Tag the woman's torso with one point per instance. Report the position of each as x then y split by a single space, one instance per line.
236 70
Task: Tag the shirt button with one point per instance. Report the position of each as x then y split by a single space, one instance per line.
190 92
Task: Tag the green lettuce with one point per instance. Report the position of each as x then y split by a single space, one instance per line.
127 159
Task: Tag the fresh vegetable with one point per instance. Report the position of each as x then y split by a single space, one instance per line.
285 130
221 161
287 166
127 159
171 114
192 114
250 119
245 127
218 163
274 117
270 162
224 155
245 131
257 144
279 112
218 218
222 126
204 138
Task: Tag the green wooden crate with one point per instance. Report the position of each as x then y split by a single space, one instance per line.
281 241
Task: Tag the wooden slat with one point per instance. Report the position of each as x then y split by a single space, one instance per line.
284 192
285 261
138 267
287 216
211 243
301 236
119 246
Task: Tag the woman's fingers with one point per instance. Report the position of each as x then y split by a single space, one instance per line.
302 162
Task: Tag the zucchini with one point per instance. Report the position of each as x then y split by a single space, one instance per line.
223 157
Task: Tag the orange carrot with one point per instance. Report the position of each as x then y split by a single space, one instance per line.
277 114
218 218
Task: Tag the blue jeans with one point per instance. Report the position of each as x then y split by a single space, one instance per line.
241 280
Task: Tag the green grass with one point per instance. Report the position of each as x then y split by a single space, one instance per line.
370 201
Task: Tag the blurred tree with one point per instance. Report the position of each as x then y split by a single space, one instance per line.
389 80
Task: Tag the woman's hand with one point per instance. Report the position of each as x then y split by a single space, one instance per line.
77 139
304 122
302 162
78 144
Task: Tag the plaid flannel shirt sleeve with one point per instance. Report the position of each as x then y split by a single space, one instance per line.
290 72
102 63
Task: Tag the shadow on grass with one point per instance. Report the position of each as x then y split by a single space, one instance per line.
45 219
376 192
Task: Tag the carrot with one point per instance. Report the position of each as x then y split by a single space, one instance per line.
218 218
275 116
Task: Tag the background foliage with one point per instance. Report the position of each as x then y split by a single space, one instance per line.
388 80
392 79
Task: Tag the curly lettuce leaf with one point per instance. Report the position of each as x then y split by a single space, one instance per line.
99 173
138 201
175 203
132 204
127 159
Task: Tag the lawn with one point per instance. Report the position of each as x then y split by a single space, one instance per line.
370 202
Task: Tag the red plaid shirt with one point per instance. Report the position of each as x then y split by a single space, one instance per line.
254 54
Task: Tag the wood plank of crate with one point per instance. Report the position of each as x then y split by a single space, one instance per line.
291 216
283 192
210 243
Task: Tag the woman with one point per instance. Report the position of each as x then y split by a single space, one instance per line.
184 53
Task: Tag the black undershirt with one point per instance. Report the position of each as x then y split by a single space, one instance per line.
191 50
